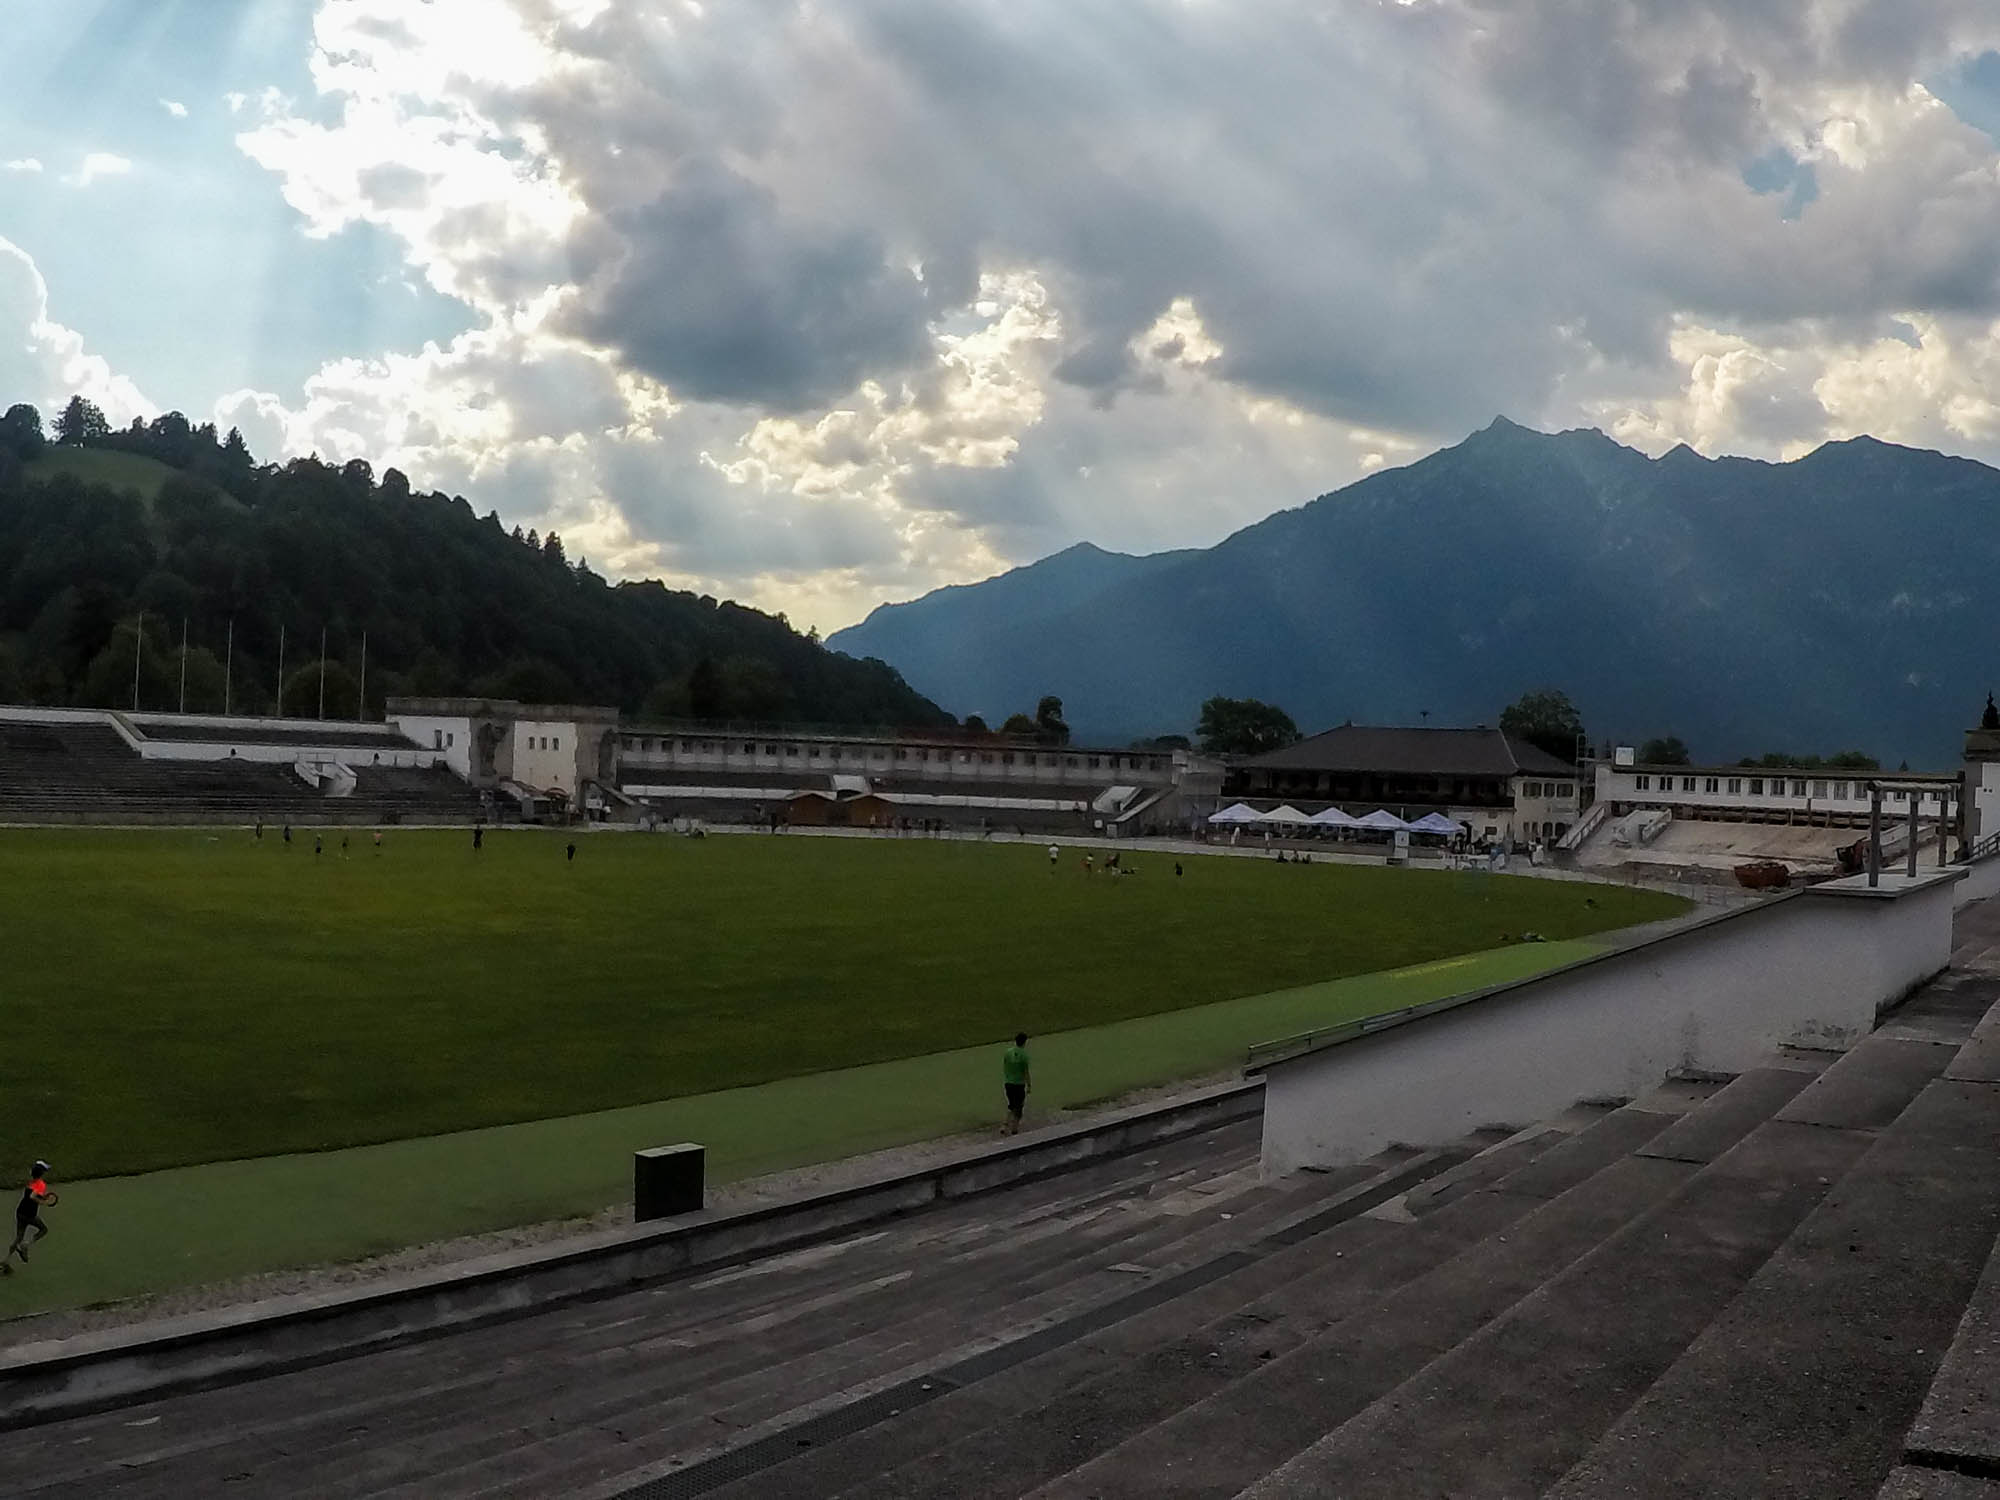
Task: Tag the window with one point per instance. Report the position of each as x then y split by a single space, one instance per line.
555 744
814 752
1640 783
1756 786
1048 760
1736 786
1070 760
449 739
1819 789
437 739
1531 789
1093 762
1687 783
986 757
792 751
686 746
1007 759
1711 785
902 755
1798 787
770 749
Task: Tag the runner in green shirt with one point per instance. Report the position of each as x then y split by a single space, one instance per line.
1014 1075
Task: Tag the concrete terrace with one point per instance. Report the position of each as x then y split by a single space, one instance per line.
1777 1284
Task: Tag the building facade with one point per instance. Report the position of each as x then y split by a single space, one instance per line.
1503 789
1818 795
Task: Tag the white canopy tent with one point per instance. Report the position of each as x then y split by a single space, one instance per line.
1436 823
1332 817
1241 812
1382 821
1286 817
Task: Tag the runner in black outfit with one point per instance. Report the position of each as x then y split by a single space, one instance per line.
28 1215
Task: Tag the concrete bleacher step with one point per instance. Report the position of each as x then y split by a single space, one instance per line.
747 1347
1532 1396
1004 1433
339 1429
1141 1357
906 1350
1238 1435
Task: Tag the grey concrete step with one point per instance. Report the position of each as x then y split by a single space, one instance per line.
1936 1484
1240 1433
379 1405
656 1395
1958 1424
950 1370
1511 1410
1142 1368
1813 1375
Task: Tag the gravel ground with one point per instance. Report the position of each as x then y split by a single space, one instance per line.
752 1192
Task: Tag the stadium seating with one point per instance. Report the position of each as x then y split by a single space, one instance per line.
67 773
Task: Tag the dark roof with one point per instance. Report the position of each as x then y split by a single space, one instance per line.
1419 752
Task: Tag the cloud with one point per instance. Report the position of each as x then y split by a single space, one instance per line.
45 363
21 164
929 290
175 108
98 165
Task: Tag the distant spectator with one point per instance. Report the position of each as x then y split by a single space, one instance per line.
1054 855
569 854
478 836
319 845
288 835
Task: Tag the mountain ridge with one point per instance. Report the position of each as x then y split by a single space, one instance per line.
1743 604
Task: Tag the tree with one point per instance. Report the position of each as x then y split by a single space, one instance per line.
81 422
1988 720
1020 724
552 549
1245 726
1049 720
976 725
704 691
395 485
21 432
1854 760
1546 719
1665 752
1164 742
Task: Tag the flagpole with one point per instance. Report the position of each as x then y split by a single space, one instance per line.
281 671
184 664
322 671
138 637
361 702
228 665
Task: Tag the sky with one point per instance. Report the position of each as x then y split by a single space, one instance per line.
821 303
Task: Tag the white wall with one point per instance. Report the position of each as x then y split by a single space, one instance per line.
545 754
1814 967
446 737
1984 816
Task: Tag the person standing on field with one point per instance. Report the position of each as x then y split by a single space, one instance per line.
28 1215
1054 855
1014 1079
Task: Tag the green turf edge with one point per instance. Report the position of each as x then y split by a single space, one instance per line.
120 1237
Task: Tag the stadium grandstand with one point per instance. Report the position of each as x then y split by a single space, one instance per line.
101 766
787 774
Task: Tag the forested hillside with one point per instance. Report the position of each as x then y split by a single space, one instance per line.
173 525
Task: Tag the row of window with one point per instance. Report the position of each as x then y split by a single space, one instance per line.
1737 786
1548 789
881 754
544 742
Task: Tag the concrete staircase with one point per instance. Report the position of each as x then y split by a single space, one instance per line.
1778 1284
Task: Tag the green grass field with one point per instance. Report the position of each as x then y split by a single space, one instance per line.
179 997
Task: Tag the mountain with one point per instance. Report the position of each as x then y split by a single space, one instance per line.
167 524
1842 600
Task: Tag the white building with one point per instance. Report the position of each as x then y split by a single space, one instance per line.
542 749
1815 795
